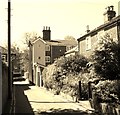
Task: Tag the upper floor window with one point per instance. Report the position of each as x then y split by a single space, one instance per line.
4 58
47 48
47 58
88 43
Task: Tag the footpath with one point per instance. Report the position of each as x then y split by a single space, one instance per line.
38 101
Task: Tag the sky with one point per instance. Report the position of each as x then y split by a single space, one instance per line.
65 17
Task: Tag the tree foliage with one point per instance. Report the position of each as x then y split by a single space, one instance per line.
69 38
29 38
72 64
107 59
106 63
63 75
17 60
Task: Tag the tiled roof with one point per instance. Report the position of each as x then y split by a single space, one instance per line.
57 42
61 42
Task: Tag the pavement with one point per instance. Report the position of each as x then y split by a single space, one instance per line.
34 100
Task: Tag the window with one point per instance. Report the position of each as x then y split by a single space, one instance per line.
47 58
47 48
88 43
38 57
4 58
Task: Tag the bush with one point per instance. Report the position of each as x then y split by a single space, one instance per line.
107 91
107 59
106 63
72 64
63 75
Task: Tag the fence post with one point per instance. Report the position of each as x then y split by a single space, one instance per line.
89 90
80 96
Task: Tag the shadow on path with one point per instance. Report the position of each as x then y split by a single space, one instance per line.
52 102
64 112
22 105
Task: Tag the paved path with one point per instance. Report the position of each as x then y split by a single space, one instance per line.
35 100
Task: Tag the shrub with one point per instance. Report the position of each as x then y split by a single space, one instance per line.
107 59
107 91
106 63
63 75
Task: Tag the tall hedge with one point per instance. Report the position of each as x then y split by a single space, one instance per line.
63 75
107 59
106 63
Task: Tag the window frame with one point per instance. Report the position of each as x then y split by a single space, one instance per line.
47 59
47 48
88 43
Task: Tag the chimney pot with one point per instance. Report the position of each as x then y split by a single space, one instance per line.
112 8
109 14
88 30
43 27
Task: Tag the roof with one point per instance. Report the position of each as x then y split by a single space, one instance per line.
75 49
57 42
103 26
38 40
3 50
61 42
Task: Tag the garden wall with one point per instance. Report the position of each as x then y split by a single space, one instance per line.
4 84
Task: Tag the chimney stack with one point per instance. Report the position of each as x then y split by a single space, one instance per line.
46 33
109 14
88 30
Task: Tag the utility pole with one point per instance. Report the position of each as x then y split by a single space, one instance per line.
9 52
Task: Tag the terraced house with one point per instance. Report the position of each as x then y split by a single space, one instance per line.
44 51
111 26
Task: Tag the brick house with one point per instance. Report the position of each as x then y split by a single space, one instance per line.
111 26
44 51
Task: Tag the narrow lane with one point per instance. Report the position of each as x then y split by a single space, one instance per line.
22 104
34 100
43 101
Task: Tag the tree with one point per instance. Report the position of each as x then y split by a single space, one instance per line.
17 61
70 38
107 59
29 38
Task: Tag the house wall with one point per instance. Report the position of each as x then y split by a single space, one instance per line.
113 33
95 39
119 32
30 64
39 53
38 59
57 51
